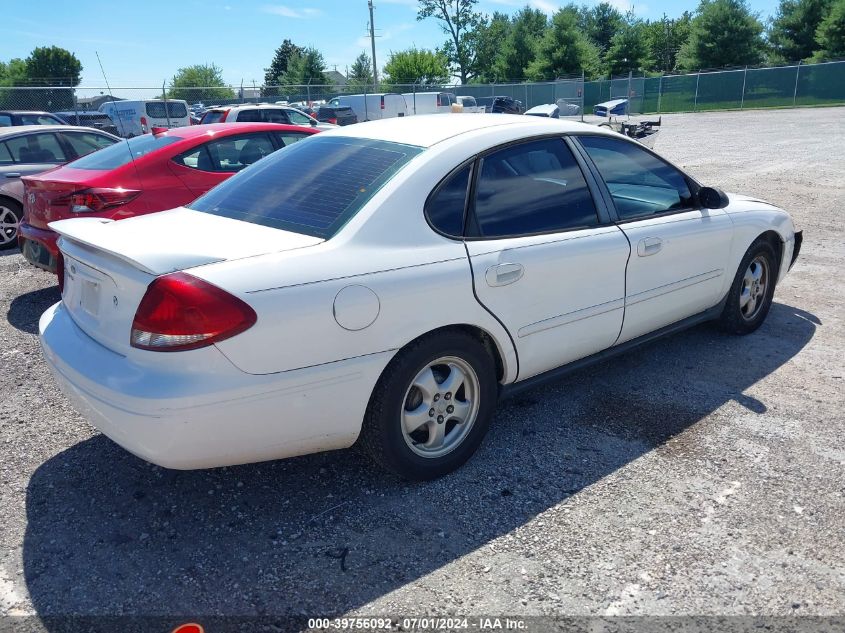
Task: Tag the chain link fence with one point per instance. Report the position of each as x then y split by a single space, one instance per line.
782 86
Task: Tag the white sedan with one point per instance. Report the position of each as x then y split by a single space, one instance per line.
388 282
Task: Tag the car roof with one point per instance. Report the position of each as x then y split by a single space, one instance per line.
24 129
24 112
426 130
227 129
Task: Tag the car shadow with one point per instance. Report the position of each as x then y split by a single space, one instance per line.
110 534
26 309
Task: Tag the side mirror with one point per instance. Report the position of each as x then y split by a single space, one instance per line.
313 123
713 198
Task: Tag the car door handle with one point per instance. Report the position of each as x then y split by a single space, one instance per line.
504 274
649 246
13 174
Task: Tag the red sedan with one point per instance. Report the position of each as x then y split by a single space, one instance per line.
148 173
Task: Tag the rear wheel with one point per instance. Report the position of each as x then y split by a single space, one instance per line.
750 296
10 221
432 406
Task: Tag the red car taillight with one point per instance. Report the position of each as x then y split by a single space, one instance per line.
100 199
144 128
332 120
223 118
181 312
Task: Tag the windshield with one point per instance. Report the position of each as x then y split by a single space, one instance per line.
119 154
313 187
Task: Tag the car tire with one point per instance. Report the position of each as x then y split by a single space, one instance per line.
11 214
753 287
447 383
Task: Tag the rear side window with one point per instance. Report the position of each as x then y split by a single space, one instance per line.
530 188
5 120
640 183
289 138
212 116
36 148
39 119
122 152
174 110
312 187
445 208
274 116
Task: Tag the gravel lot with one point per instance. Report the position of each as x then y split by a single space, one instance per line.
702 474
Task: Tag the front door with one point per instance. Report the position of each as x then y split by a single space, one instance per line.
678 250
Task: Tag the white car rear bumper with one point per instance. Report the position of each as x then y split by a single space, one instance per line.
214 416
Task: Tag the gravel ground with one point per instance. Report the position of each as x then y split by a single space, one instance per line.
702 474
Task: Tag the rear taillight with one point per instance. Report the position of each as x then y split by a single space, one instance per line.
382 103
100 199
332 120
181 312
224 115
144 127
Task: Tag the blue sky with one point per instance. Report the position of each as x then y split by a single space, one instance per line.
142 44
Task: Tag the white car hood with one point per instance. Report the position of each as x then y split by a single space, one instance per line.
182 238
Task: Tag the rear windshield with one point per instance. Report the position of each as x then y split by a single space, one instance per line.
313 187
175 110
121 153
213 116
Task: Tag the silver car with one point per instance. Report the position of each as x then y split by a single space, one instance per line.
31 149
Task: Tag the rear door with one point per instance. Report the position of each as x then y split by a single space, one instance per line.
32 154
679 250
207 165
545 258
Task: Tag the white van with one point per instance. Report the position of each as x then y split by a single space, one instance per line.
133 118
384 105
429 102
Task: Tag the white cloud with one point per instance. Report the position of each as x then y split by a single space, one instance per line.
287 12
386 35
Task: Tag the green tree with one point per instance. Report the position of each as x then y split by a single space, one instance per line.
664 38
488 48
628 49
520 46
416 66
461 23
53 66
200 82
361 73
279 65
13 73
306 66
723 33
601 23
830 35
792 33
564 49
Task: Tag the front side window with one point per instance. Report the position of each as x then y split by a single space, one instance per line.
274 116
5 155
229 154
289 138
36 148
83 143
445 209
312 188
297 118
639 183
530 188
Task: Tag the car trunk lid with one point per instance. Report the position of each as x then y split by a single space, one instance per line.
108 265
47 196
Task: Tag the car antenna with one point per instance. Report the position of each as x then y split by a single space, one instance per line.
119 118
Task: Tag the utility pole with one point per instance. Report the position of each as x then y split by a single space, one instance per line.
373 43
